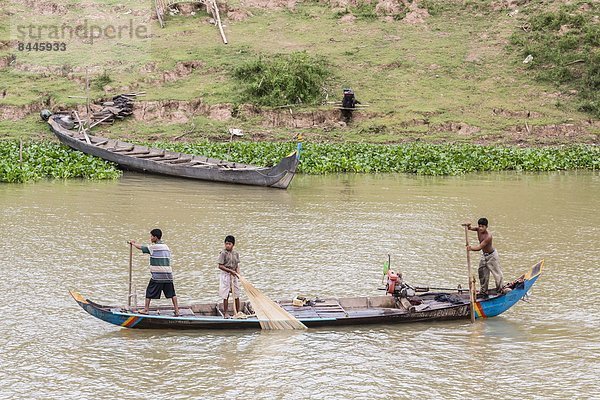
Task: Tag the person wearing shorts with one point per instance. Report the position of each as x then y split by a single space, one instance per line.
160 269
229 264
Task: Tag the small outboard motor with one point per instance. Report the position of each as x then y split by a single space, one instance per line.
397 287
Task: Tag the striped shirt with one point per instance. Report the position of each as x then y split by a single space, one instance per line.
160 261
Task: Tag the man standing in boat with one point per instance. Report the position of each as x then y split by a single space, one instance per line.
160 268
229 264
489 262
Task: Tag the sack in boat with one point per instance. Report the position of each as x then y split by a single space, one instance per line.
448 298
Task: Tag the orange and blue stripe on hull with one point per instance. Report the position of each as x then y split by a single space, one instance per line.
131 322
479 313
495 306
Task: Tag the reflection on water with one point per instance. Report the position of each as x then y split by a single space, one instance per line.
325 236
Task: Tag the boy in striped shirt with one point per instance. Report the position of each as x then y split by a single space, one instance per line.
160 268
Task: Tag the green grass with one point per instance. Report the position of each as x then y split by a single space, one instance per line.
455 69
565 45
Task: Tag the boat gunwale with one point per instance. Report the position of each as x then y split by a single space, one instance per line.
199 167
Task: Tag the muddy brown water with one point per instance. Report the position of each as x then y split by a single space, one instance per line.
325 236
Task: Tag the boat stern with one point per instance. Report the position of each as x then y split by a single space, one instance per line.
495 306
105 314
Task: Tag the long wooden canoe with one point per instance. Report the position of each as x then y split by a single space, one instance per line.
330 312
139 158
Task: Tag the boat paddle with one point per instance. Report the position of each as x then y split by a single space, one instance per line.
471 283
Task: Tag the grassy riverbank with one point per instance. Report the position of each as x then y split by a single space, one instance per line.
445 81
447 71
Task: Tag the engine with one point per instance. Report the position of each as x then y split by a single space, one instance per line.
397 287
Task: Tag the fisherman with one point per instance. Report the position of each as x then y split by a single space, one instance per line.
160 268
229 264
349 102
489 262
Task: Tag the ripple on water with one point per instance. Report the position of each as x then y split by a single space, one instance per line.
326 236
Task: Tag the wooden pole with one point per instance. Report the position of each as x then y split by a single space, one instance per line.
82 128
87 95
471 282
130 273
218 20
159 10
20 150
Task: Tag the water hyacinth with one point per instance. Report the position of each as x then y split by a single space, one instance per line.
419 158
50 160
47 160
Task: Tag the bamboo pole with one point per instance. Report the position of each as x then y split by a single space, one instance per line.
218 20
82 128
159 11
87 98
471 281
130 274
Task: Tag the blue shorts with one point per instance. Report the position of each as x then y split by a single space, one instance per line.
154 289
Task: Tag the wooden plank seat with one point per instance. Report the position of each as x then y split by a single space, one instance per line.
329 308
124 149
100 142
115 147
139 152
202 164
151 155
179 161
186 312
168 158
107 144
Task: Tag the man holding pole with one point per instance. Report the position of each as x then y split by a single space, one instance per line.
489 261
160 268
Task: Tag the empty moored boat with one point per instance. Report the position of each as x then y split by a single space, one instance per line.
140 158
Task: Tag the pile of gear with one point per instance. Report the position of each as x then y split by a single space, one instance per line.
119 107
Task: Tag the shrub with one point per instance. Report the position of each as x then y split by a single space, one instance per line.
283 79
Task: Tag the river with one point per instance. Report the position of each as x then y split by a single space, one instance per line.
325 236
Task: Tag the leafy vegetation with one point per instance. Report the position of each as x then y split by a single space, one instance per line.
281 79
102 80
365 10
50 160
426 159
565 45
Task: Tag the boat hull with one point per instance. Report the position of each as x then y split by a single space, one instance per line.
336 312
278 176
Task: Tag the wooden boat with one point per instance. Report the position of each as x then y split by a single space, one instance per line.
388 309
157 161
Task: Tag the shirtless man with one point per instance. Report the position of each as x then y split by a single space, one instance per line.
489 261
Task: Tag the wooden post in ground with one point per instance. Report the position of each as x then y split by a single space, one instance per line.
218 20
87 98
